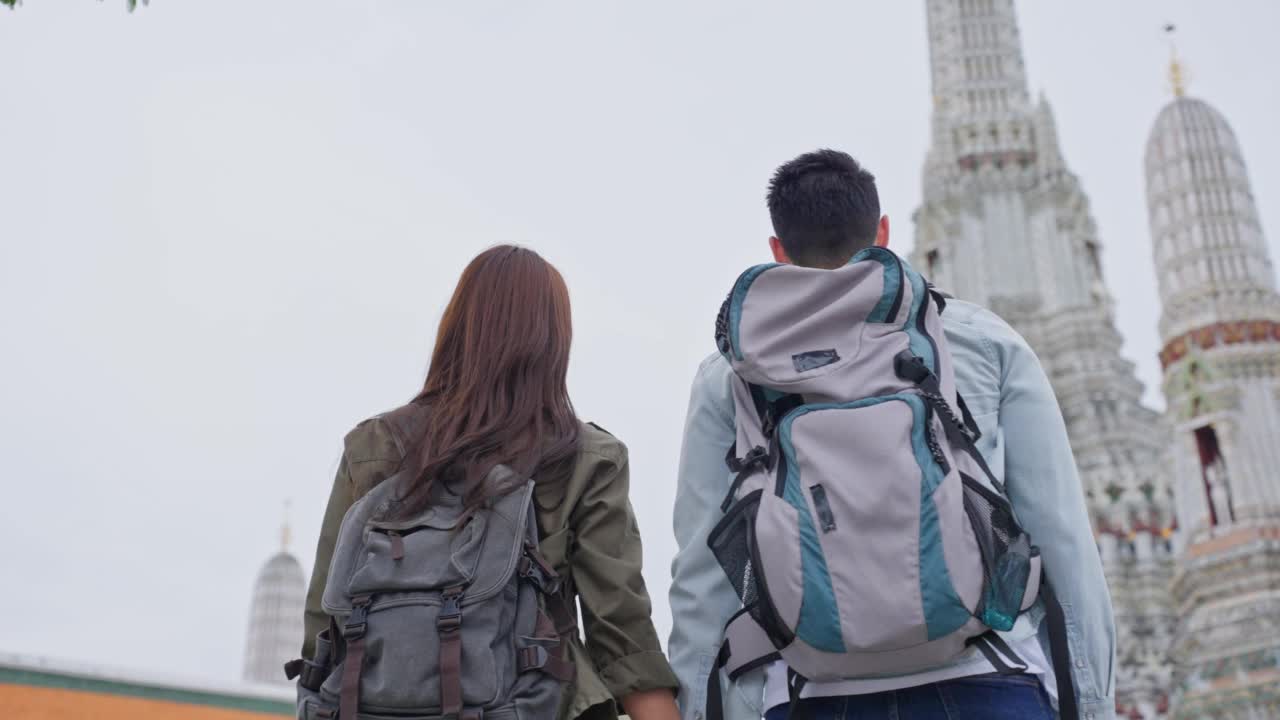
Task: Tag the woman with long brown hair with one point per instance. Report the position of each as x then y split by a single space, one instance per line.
496 397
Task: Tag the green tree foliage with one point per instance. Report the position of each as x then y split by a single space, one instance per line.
131 4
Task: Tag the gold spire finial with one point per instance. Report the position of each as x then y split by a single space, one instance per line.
285 534
1177 73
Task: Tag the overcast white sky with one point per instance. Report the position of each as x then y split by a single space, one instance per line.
227 231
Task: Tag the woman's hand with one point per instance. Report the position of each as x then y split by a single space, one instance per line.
651 705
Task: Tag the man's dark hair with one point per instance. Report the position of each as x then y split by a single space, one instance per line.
824 208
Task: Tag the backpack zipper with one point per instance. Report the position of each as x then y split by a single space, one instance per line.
931 439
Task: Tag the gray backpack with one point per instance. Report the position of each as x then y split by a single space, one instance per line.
430 618
863 532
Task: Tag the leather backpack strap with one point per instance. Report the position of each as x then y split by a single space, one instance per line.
352 665
449 625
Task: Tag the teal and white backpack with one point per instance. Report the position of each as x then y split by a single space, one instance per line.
864 532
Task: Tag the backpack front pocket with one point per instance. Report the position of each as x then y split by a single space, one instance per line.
861 478
421 557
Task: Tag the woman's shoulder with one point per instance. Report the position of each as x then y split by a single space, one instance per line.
386 436
594 442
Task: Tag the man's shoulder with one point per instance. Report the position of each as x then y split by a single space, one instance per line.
713 366
713 376
969 320
712 387
962 313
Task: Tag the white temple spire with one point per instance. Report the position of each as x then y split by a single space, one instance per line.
975 57
1005 224
275 616
1220 329
1177 71
286 534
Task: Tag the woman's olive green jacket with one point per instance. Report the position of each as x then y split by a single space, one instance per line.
588 533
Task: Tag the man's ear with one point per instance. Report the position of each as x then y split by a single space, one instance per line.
779 252
882 232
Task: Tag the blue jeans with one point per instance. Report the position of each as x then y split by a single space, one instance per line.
981 697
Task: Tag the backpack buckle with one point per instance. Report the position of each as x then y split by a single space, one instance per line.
912 368
777 409
535 569
450 617
756 456
356 622
533 657
767 426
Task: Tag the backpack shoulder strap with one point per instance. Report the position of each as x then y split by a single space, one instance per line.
1060 651
939 297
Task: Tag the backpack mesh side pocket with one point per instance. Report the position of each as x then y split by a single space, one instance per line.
732 541
1006 554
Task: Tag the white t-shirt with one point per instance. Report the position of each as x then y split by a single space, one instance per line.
776 691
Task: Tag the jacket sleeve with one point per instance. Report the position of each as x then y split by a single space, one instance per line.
605 562
701 597
1045 491
341 497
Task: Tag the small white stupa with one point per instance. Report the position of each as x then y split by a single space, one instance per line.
275 617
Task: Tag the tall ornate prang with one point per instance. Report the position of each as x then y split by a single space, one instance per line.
1220 329
275 616
1004 223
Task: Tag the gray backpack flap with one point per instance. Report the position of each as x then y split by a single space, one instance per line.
863 532
433 618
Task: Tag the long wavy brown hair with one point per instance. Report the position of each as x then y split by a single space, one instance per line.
496 391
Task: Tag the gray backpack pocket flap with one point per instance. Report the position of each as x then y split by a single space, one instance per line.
425 556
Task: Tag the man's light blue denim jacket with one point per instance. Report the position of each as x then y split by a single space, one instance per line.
1024 440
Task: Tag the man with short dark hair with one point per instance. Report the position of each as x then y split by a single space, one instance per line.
825 208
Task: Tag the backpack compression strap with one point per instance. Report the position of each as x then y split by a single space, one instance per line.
553 661
449 625
992 647
746 647
311 672
772 407
353 635
561 623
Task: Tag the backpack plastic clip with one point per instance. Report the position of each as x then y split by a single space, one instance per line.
912 368
536 570
757 457
356 622
533 657
450 617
